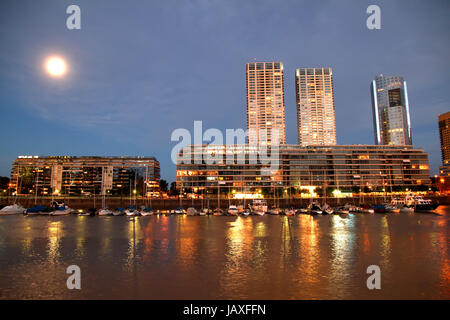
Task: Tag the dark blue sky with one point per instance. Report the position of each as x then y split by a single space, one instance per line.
140 69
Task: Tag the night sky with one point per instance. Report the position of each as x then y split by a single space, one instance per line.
140 69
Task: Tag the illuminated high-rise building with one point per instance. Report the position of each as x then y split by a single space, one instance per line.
390 110
315 107
444 133
265 101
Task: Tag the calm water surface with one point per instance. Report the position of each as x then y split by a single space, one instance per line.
270 257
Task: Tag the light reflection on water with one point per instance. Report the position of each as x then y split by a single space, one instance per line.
182 257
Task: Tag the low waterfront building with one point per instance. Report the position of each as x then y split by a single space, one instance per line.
85 175
293 168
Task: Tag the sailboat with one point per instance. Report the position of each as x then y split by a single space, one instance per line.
259 207
147 211
34 211
105 212
88 212
12 209
131 211
191 211
118 212
314 208
232 210
289 211
60 209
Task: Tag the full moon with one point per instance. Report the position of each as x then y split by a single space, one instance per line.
55 66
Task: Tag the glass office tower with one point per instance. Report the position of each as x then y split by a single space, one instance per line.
390 108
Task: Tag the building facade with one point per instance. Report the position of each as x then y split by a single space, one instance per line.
444 134
390 110
85 175
342 167
265 102
316 124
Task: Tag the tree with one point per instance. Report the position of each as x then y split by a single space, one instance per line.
319 191
163 185
356 189
4 182
173 189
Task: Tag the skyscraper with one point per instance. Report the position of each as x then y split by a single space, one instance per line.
390 110
444 133
265 101
315 106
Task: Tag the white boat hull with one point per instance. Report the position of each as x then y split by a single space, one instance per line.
105 212
60 212
259 213
13 209
33 213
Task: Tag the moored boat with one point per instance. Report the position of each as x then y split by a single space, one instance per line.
105 212
34 211
12 209
147 211
275 211
314 209
326 209
407 209
191 211
245 213
289 212
421 204
341 210
381 208
258 207
60 209
118 212
131 211
365 208
232 210
179 211
258 212
89 212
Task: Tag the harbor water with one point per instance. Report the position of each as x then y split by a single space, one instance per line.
209 257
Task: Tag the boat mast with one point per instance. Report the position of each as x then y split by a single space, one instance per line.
36 186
